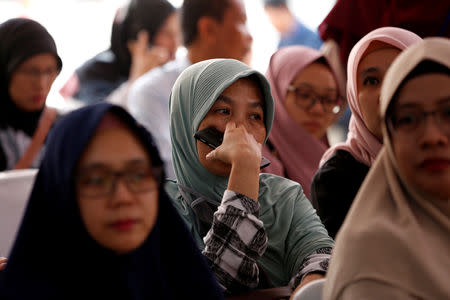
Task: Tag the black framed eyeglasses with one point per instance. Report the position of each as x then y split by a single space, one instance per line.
411 121
306 98
101 181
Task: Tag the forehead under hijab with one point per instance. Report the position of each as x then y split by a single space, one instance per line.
426 67
430 49
375 46
110 121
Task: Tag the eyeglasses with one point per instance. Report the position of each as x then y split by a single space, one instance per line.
411 121
36 74
306 98
101 181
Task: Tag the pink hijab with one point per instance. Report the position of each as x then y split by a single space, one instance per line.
299 151
361 143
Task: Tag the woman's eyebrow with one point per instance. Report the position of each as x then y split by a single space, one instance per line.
230 101
225 99
369 70
413 103
308 85
97 164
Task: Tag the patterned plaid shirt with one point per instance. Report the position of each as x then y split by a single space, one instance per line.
237 239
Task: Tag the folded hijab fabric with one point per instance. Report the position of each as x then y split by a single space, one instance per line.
54 257
294 231
299 152
20 39
361 143
394 236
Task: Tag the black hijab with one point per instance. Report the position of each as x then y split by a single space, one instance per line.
106 71
20 39
54 257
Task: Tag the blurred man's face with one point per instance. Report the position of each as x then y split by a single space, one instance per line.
233 37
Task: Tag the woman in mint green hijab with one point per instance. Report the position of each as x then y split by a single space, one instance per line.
246 223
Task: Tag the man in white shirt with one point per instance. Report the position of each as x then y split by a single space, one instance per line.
211 29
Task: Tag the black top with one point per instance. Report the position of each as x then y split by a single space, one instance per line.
334 187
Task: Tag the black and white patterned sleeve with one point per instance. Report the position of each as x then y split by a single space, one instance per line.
317 262
235 242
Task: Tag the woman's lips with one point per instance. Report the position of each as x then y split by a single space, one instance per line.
312 125
38 98
435 164
124 225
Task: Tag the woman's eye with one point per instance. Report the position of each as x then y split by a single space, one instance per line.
304 95
406 119
138 175
94 180
445 113
256 116
224 111
371 81
331 101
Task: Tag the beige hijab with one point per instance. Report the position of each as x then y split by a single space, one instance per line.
393 235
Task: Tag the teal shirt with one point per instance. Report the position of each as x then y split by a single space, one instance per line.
292 226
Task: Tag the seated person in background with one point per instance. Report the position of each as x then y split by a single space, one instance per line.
247 224
344 166
307 101
211 29
395 242
291 30
145 34
29 64
99 223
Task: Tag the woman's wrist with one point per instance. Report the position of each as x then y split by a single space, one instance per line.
244 179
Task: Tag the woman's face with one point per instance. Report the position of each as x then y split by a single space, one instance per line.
421 144
31 82
169 35
316 80
242 102
118 211
370 74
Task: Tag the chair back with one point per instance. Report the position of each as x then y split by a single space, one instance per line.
311 291
15 188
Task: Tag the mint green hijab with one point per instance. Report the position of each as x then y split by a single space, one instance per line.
293 228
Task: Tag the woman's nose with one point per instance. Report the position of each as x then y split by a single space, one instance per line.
433 133
121 194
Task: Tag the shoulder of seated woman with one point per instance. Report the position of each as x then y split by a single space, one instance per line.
343 159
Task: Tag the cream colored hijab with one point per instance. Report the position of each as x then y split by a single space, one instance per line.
393 235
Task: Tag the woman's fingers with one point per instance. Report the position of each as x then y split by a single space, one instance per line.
3 261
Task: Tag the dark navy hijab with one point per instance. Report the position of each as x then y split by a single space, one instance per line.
54 257
20 39
106 71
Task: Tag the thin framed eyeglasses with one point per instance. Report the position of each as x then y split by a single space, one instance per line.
306 98
101 181
411 121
